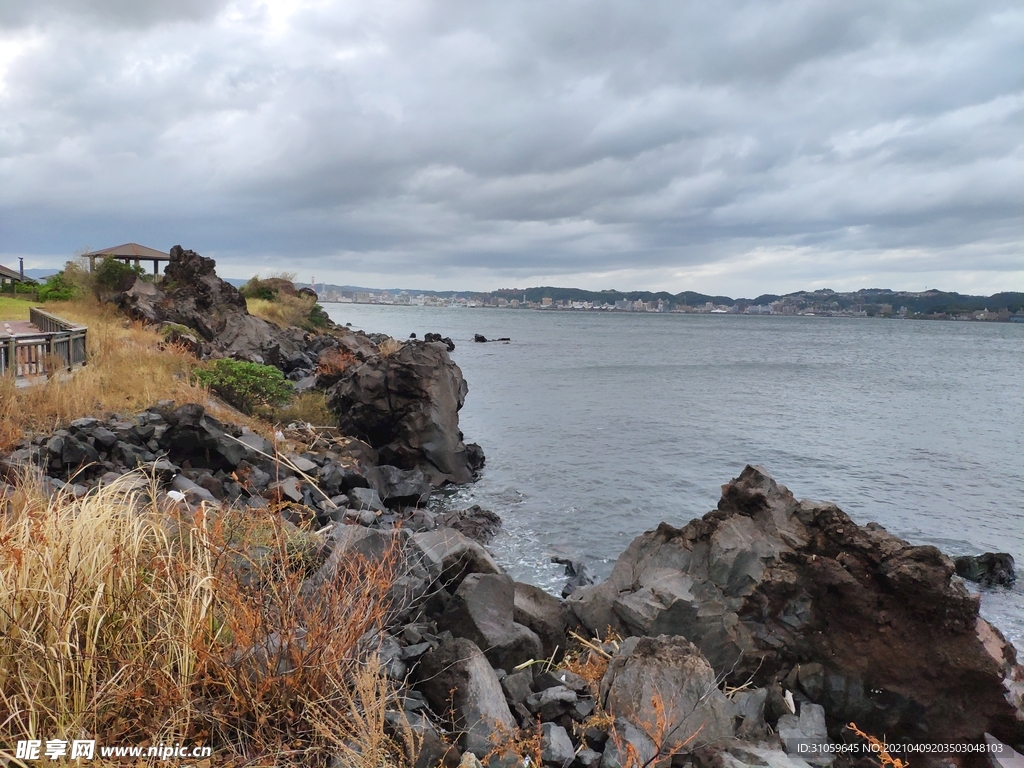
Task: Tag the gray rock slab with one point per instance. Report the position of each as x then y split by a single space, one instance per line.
458 675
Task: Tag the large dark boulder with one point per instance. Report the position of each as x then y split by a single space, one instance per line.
766 584
667 689
453 556
198 438
457 678
993 569
406 405
483 610
545 614
477 523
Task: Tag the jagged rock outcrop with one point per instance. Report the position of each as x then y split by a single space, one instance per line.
766 585
406 405
192 295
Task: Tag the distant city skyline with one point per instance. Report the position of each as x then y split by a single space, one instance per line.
729 148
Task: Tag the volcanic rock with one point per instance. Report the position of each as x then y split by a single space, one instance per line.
477 523
457 676
546 615
406 405
766 583
667 672
192 296
453 557
482 610
993 569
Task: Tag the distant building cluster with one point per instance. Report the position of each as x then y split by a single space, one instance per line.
823 303
402 298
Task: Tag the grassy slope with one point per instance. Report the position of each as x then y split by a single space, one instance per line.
15 308
129 369
111 629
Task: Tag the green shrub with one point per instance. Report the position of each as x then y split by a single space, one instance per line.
247 386
257 289
114 275
318 318
58 288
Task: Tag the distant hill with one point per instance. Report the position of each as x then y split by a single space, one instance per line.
39 274
918 303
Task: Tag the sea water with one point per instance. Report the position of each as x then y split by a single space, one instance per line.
597 426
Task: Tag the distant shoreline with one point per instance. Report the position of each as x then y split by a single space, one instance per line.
981 316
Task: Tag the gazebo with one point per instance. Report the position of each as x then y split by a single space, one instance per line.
129 252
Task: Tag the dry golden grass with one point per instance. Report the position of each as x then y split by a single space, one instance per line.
284 311
388 347
123 623
130 368
309 408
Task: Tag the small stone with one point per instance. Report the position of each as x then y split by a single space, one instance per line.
287 489
552 702
555 745
365 498
303 465
104 438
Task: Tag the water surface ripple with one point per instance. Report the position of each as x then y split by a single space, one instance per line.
599 426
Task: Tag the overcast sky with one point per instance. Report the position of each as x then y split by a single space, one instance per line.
715 146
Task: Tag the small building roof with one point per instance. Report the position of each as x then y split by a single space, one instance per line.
131 250
13 274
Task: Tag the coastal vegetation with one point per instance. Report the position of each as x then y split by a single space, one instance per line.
276 300
247 386
129 621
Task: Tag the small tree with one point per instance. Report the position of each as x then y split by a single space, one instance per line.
58 288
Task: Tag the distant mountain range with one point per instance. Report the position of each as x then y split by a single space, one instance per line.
917 302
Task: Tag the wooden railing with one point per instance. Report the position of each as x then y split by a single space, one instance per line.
60 345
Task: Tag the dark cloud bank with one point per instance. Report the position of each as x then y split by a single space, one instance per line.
722 147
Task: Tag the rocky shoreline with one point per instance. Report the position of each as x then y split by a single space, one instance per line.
755 635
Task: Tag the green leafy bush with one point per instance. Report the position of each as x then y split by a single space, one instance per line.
258 289
114 275
318 318
247 386
58 288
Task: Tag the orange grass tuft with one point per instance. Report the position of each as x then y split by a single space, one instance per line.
878 748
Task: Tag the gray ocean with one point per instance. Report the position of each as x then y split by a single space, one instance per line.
599 426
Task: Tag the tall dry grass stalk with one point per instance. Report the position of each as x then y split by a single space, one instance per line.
123 622
389 346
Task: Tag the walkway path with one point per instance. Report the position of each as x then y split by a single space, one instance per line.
13 327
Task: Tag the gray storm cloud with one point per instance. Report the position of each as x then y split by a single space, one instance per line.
482 143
